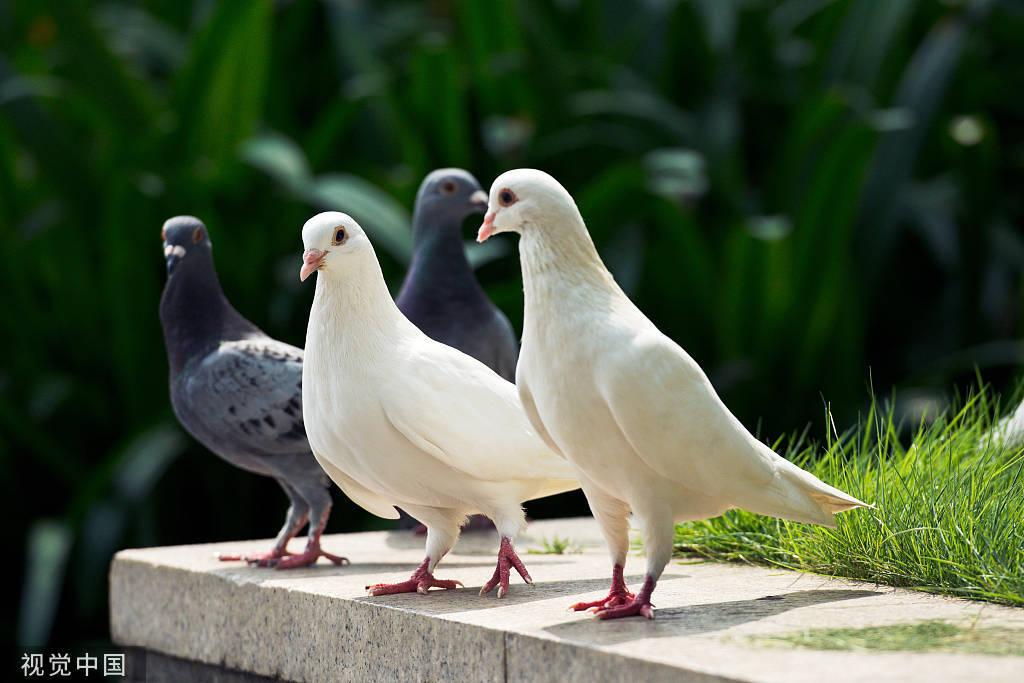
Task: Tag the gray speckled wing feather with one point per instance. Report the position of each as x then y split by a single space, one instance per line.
247 396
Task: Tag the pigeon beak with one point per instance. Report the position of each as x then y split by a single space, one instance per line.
173 254
478 200
312 259
487 229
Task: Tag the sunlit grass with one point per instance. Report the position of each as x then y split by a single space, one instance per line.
948 517
558 546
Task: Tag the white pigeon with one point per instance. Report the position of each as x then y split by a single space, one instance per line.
396 418
634 414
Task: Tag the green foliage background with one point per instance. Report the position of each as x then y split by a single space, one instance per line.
796 191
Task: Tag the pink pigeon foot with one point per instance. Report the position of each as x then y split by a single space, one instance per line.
640 605
507 559
307 557
258 559
618 595
420 582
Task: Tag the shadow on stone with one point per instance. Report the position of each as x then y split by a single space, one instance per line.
321 570
695 619
467 599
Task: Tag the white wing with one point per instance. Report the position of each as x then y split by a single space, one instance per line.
668 411
459 411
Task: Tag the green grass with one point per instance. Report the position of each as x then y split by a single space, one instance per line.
932 635
559 546
948 517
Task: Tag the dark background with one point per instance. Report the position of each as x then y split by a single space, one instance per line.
813 197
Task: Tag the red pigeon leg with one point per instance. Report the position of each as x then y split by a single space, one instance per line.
507 559
420 582
640 605
619 594
311 554
280 549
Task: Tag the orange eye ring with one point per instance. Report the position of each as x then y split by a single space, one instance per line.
507 197
197 235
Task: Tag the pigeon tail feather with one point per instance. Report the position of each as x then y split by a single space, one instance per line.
802 497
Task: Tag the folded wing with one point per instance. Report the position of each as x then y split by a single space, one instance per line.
457 410
668 411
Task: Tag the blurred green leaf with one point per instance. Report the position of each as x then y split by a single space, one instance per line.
866 38
624 255
280 158
136 34
99 537
49 144
644 107
218 94
676 173
144 460
46 554
126 100
920 90
480 254
438 91
770 228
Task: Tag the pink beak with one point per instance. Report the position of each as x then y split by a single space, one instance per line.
312 259
487 229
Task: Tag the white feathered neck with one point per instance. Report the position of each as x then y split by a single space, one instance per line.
561 264
352 306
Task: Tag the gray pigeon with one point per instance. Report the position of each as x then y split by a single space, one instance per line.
239 392
441 295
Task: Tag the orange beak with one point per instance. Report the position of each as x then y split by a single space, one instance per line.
487 229
312 259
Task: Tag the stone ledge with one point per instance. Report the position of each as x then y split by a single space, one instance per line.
317 624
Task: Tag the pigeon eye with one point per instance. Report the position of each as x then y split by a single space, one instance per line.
506 197
339 236
197 236
163 234
448 187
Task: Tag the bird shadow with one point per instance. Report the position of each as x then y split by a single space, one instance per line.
324 570
467 599
694 620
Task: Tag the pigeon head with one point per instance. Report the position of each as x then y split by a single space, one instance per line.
184 238
327 239
450 193
524 200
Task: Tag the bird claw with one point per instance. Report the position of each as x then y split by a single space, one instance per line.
283 559
336 559
448 584
507 560
615 599
420 582
634 608
258 559
306 559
